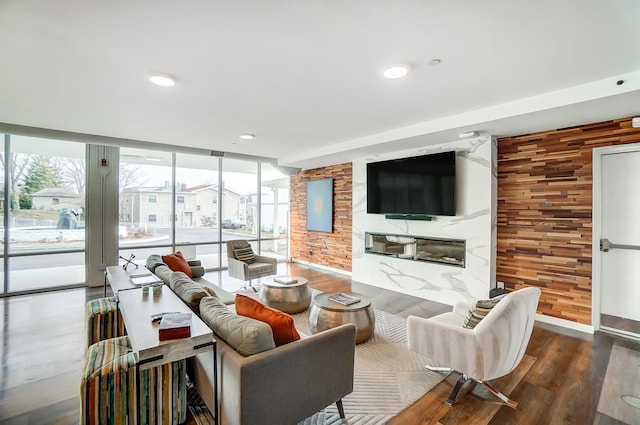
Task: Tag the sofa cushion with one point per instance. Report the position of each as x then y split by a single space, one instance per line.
256 268
480 310
209 290
245 335
245 254
282 325
177 263
164 273
154 261
188 291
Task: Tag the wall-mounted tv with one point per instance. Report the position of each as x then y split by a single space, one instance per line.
416 185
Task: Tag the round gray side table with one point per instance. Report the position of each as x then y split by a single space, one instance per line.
326 314
287 297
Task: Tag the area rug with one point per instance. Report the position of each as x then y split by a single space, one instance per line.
619 385
388 377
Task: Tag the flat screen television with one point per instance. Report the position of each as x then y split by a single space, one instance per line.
419 185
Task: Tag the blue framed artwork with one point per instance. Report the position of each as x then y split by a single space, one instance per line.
320 205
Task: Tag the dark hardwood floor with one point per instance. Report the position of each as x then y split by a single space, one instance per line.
559 381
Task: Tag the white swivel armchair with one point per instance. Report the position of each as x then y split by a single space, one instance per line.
254 267
492 349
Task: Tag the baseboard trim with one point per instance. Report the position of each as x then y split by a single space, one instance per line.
321 267
565 323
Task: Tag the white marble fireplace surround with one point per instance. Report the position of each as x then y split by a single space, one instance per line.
475 222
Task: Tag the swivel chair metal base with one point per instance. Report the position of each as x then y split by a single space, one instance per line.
463 380
255 289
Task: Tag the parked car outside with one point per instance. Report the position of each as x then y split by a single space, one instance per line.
232 224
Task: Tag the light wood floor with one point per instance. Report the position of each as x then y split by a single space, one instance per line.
558 382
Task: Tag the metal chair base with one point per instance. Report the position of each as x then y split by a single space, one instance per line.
463 380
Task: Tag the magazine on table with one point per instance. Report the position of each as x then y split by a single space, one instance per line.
144 279
286 280
344 299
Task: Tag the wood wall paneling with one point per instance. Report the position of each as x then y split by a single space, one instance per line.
329 249
545 213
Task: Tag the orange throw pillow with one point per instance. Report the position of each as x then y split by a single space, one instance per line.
177 263
282 325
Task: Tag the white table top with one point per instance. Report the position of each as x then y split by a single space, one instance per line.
120 279
273 284
137 308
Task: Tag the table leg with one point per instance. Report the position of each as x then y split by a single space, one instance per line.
215 382
137 401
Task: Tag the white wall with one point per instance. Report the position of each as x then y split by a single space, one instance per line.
475 222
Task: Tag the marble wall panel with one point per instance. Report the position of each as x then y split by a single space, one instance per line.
474 222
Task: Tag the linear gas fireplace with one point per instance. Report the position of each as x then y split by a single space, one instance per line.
416 248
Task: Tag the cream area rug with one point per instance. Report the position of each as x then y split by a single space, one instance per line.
388 376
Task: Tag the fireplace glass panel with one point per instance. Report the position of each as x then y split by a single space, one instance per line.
417 248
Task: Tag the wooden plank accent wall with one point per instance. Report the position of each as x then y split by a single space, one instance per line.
545 213
329 249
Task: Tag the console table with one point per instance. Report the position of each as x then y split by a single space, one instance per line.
137 308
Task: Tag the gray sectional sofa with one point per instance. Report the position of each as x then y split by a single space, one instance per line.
257 382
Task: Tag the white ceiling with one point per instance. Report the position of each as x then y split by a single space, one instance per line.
305 76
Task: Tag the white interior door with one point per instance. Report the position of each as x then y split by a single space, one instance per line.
620 242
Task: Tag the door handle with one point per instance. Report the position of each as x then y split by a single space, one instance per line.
606 245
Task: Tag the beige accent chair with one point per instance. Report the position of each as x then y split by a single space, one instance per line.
489 351
263 266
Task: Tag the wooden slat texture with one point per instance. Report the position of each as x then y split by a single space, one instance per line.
545 213
329 249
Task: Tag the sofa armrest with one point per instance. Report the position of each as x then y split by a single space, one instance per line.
194 263
238 269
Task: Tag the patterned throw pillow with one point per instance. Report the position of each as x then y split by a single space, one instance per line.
244 253
480 310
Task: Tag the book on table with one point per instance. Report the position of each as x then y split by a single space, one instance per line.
344 299
285 280
174 326
144 279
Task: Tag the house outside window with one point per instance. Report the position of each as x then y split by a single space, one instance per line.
152 198
152 218
180 199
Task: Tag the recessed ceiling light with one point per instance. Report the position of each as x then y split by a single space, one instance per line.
467 134
396 71
162 80
247 136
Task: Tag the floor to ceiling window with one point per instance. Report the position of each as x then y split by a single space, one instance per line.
167 202
274 211
195 203
196 208
43 204
238 221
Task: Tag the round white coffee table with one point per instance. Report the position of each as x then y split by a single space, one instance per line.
291 298
326 314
